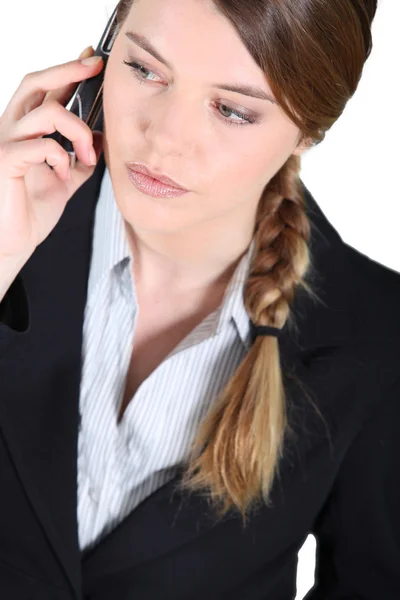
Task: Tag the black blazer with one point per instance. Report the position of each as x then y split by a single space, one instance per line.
339 475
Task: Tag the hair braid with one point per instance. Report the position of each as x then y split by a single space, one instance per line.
242 437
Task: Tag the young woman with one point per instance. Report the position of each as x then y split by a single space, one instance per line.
198 372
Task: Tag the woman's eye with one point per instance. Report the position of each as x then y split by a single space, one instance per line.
138 70
243 118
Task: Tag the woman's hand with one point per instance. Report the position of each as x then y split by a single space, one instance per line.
32 195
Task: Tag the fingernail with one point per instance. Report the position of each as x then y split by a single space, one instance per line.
92 156
92 60
87 52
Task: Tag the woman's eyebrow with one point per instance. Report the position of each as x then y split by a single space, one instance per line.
246 89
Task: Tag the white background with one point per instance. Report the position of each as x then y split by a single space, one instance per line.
352 174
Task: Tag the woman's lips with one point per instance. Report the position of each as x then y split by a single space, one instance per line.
153 187
142 168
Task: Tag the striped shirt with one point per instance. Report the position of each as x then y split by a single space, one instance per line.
119 465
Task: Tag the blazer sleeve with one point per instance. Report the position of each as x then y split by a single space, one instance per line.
14 314
358 530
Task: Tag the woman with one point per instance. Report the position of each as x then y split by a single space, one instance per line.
193 381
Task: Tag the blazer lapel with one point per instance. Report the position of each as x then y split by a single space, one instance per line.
39 412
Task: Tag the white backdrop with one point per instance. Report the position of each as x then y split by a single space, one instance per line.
352 174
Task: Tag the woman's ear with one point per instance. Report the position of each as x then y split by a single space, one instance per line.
303 144
300 149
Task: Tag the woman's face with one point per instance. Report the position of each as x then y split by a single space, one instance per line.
178 118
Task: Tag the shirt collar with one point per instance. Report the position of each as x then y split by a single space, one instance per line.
110 246
110 243
232 306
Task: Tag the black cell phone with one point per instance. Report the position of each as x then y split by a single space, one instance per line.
87 101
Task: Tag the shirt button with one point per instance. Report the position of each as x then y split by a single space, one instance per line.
92 494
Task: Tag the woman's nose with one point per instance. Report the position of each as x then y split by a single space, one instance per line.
170 127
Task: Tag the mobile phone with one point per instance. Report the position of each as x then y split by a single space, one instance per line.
87 101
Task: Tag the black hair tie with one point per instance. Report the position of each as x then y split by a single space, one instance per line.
267 330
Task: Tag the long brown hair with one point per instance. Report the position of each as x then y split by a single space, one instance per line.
312 53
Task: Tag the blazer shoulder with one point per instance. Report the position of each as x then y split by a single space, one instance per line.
375 292
372 272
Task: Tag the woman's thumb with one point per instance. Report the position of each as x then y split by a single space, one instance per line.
80 173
